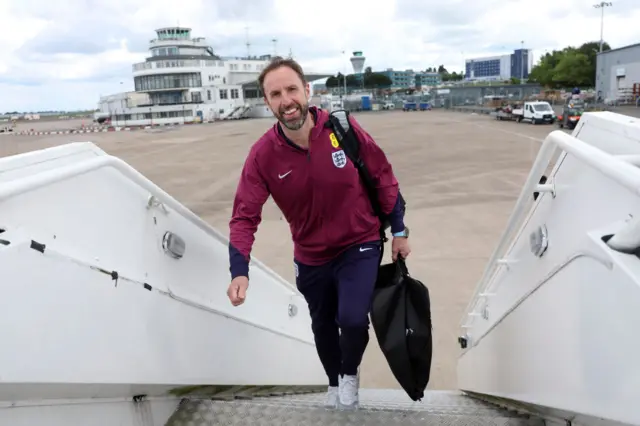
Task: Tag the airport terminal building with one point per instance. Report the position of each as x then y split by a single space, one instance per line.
184 81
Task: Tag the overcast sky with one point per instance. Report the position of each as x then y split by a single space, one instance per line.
65 54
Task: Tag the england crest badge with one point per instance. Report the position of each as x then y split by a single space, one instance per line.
339 158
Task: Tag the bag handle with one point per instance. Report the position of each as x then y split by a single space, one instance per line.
402 265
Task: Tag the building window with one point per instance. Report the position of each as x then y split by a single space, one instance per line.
208 95
234 94
224 94
251 94
165 98
167 81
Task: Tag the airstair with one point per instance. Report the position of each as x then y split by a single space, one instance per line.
238 112
114 310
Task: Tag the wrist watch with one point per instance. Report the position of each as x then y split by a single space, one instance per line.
404 233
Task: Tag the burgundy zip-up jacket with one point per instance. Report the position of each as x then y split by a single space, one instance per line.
318 190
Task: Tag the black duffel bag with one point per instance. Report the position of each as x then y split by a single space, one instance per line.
401 319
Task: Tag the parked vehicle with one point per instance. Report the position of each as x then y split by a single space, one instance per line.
535 112
409 106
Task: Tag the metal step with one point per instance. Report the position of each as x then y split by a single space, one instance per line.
386 407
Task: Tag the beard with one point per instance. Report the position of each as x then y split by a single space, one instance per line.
294 123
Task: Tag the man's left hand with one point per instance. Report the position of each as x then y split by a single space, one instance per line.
400 245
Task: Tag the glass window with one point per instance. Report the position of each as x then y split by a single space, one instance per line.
167 81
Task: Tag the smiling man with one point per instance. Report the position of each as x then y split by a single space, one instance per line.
335 232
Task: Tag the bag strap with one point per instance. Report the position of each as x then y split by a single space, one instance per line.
349 143
400 261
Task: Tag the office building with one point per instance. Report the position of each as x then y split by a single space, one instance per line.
409 79
517 64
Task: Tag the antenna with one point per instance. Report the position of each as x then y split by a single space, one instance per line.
246 29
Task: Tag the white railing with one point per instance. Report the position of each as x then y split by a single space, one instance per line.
613 167
39 180
176 63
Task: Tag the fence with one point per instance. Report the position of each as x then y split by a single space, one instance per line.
480 98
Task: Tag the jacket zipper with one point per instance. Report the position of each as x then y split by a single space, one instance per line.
310 174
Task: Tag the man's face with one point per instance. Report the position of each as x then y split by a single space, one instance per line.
287 97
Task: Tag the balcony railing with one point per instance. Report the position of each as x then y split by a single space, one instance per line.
196 42
181 63
182 102
177 63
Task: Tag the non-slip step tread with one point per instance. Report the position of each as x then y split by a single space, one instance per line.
378 407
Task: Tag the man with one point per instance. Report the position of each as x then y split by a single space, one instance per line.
335 232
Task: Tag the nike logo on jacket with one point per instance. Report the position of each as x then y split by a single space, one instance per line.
318 190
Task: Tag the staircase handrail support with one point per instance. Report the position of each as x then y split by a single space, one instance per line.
39 180
615 168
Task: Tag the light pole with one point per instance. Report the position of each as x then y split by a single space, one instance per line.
521 61
601 6
345 75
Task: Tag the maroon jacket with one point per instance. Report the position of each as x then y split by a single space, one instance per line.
318 190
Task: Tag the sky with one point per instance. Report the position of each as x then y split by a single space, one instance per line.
65 54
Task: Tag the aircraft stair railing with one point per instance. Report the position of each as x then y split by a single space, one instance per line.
244 111
622 169
232 114
157 197
239 112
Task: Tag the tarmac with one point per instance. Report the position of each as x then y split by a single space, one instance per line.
460 175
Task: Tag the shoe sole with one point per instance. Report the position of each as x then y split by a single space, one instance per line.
352 407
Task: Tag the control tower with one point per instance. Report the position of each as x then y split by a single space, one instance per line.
357 61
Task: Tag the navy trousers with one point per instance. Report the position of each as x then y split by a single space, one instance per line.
339 295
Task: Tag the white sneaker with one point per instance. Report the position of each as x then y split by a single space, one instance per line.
349 398
333 397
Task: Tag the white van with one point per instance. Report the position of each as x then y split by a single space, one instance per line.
535 112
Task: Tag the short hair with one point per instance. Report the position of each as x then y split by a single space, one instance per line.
278 62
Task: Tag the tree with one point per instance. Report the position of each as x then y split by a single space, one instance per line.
376 80
371 80
573 70
591 50
335 81
568 67
352 81
454 76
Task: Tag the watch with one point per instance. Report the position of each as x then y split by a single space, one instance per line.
404 233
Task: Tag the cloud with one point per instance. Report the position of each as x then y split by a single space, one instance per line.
65 54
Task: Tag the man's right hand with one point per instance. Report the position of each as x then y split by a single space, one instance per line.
237 291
